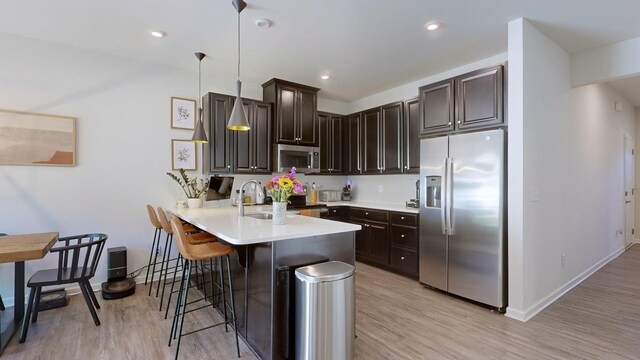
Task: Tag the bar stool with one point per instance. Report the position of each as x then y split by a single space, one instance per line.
191 254
199 237
193 238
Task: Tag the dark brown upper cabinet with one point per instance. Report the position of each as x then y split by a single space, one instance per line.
479 98
391 138
411 153
217 110
467 102
330 135
436 108
351 136
382 139
295 111
237 151
371 142
252 150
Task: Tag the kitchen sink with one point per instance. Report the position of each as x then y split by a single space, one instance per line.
261 216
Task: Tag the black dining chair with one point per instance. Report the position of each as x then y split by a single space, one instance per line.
77 263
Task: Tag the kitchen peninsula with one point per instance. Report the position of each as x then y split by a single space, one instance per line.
269 254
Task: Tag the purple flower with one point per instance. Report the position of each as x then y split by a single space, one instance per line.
297 188
275 179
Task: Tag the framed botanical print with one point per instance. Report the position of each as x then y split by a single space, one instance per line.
183 155
183 113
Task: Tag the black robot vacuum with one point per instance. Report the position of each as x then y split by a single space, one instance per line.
117 285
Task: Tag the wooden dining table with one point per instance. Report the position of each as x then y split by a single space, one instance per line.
17 249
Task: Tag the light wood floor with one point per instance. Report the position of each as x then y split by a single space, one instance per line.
396 319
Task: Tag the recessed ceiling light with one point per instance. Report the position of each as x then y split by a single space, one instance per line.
263 23
158 34
432 26
324 77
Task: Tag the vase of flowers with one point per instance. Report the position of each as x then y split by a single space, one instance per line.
280 188
192 187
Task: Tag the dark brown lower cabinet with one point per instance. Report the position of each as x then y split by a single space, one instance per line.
387 240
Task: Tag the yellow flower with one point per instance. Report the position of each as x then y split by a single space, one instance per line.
287 184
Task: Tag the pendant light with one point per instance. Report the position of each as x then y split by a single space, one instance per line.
238 119
199 135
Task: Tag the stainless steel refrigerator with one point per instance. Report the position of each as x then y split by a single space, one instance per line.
462 216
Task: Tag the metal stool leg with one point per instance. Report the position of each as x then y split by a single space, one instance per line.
164 282
224 298
175 270
36 304
153 250
164 259
185 265
184 310
155 260
233 304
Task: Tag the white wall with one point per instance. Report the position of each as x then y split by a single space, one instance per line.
572 151
606 63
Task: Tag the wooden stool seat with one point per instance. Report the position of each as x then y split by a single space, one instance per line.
201 238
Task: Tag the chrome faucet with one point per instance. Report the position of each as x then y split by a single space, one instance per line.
241 201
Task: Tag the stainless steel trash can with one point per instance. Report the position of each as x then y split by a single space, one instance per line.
325 311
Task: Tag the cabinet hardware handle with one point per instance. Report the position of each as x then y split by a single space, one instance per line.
402 235
459 121
401 257
449 123
366 213
228 166
401 217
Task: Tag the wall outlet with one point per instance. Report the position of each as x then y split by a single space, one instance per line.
380 188
563 260
535 194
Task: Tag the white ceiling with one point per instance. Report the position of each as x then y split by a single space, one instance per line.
365 45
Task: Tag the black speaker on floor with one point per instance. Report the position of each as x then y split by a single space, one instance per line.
117 285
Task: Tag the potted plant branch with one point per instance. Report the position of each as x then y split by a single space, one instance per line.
192 187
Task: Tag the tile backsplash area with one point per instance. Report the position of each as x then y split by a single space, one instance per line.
390 189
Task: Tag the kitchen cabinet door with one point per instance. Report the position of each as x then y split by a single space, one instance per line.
436 107
324 130
361 239
336 144
479 98
391 147
378 243
217 110
286 114
262 123
411 158
352 145
307 115
371 142
244 147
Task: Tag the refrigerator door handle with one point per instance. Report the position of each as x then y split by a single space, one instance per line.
449 196
443 192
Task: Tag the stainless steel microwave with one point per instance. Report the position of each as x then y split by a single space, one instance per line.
306 159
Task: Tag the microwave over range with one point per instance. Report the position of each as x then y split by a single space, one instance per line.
306 159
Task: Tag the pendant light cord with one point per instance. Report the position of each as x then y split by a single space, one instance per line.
200 81
238 45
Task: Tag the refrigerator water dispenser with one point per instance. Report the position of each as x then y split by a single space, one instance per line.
433 192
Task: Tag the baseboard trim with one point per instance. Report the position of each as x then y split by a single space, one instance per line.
536 308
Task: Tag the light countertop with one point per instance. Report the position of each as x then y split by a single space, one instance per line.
224 223
374 205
